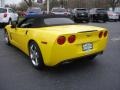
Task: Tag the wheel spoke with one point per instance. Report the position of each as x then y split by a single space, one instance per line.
34 55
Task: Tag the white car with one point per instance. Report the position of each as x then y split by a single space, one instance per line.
59 11
7 15
113 16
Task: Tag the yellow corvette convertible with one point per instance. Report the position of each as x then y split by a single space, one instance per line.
49 40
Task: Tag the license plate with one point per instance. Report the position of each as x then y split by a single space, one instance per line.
87 46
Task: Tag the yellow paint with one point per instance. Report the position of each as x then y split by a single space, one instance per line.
52 52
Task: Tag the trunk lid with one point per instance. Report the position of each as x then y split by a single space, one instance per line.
71 29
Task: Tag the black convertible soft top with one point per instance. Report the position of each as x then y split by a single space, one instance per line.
36 21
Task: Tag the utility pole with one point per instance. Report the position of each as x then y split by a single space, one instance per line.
48 6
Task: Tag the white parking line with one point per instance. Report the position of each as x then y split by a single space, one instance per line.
116 39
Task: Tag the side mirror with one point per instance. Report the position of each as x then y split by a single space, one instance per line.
13 25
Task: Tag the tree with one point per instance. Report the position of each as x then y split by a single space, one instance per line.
29 2
113 3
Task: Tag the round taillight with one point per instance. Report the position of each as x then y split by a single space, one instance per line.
61 40
105 33
65 13
100 34
5 14
71 38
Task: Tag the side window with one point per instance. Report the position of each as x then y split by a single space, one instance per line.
26 23
11 11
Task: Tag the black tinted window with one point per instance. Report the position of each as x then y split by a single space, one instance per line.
34 10
2 10
27 22
101 10
81 9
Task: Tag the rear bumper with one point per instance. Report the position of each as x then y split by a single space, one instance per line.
81 18
4 20
78 58
113 17
100 17
68 53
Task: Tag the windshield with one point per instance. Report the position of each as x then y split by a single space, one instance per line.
2 10
101 10
81 9
58 10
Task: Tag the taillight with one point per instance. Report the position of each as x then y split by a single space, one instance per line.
5 15
65 14
61 40
71 38
105 33
100 34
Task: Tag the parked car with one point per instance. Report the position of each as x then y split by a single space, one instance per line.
7 15
80 14
59 11
33 11
113 16
50 40
98 14
117 10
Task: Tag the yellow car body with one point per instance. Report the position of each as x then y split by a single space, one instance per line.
54 53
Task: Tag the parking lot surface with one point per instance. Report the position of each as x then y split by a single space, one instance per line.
16 72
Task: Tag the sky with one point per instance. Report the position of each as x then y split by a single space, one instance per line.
12 1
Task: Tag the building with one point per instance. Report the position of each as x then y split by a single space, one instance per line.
2 3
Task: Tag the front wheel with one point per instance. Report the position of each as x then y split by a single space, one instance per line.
6 38
35 56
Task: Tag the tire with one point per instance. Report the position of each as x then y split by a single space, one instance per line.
6 38
35 55
91 57
9 22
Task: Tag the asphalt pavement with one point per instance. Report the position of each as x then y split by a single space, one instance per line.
17 73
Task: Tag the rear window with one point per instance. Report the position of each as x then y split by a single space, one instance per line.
58 21
101 10
58 10
34 10
81 9
2 10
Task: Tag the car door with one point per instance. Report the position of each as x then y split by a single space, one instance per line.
20 34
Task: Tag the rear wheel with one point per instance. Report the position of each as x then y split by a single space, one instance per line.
35 55
91 57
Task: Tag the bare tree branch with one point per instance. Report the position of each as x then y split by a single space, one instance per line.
29 3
